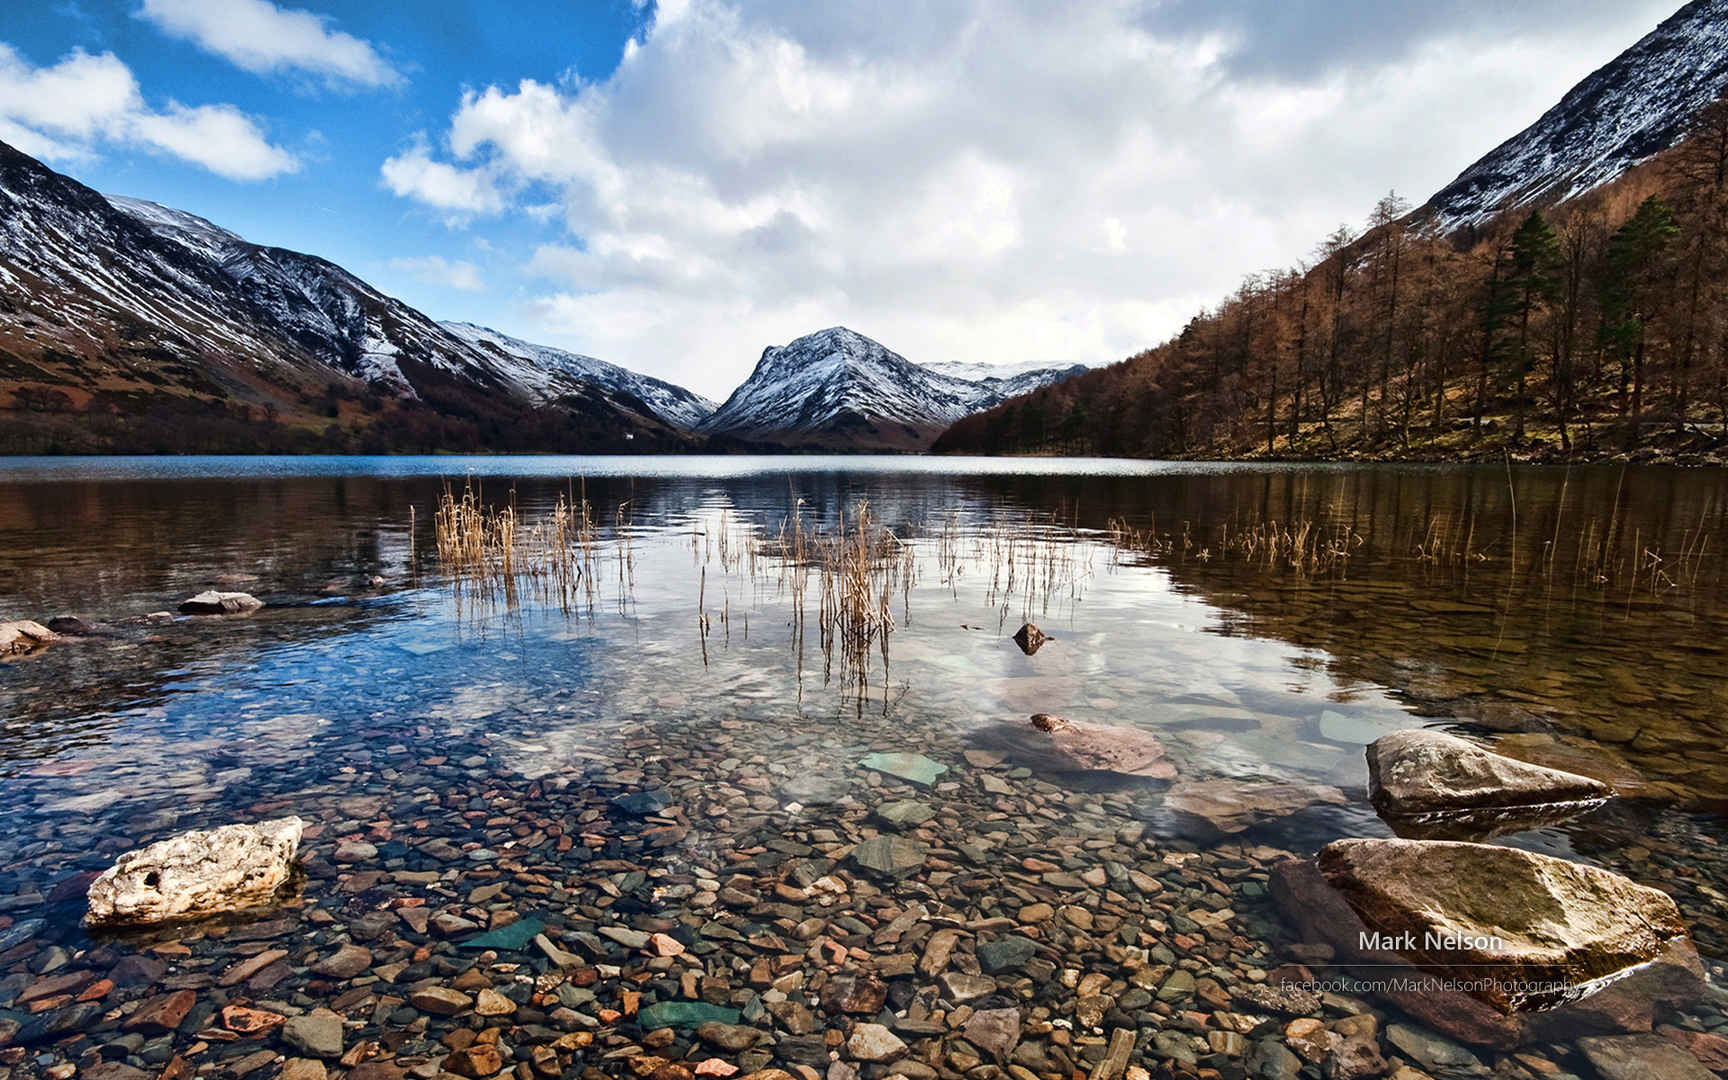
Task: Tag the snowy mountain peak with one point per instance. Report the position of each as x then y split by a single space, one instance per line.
832 350
1627 111
837 387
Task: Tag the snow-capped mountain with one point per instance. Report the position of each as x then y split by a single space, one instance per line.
119 307
1632 108
351 325
542 369
838 388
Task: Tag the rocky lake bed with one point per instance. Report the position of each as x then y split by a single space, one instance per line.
623 842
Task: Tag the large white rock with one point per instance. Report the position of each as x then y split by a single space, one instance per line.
1526 932
221 603
196 874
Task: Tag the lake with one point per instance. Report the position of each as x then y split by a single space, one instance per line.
723 631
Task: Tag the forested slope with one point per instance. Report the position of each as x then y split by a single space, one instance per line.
1590 328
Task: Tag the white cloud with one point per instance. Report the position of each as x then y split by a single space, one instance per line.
219 137
457 191
258 36
437 270
994 180
81 97
68 111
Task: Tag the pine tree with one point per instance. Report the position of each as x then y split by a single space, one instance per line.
1496 306
1534 280
1632 267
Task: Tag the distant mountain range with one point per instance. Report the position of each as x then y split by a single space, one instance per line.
127 325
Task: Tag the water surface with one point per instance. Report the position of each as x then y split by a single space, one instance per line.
1576 616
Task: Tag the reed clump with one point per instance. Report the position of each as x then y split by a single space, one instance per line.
490 554
1302 546
861 565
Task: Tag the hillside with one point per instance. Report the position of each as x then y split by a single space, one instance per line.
1632 108
129 326
547 373
1564 299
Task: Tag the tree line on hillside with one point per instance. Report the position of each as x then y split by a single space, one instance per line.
1595 327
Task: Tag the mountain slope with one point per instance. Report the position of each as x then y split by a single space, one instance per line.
542 369
837 388
129 325
1632 108
336 316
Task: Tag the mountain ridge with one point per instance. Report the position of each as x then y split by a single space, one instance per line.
837 386
130 325
685 408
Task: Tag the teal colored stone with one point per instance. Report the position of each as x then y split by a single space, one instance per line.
684 1014
913 768
512 938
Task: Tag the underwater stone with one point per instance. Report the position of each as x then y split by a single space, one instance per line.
889 855
1340 727
1633 1057
1005 954
684 1014
904 812
913 768
1083 747
1231 806
873 1042
643 803
512 938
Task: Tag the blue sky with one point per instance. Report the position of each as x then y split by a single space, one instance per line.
674 187
337 129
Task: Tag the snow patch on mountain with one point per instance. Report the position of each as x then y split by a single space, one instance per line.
1629 110
189 230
